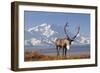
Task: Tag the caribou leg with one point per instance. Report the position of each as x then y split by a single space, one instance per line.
57 50
65 52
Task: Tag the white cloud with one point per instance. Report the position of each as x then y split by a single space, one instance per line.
33 28
44 24
26 42
84 40
35 41
53 39
46 41
81 40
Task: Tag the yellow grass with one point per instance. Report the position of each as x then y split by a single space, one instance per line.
36 56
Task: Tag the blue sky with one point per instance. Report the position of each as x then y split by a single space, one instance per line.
34 18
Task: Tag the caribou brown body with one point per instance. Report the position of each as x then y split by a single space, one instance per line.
64 43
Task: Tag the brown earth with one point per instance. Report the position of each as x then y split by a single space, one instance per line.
36 56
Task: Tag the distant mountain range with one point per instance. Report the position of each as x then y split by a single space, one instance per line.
44 34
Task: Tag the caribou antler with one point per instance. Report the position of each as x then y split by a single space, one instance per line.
76 33
67 34
65 30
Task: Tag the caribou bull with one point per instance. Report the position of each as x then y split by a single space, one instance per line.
64 43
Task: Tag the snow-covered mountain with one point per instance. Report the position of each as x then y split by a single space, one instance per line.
82 40
44 29
41 34
44 34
